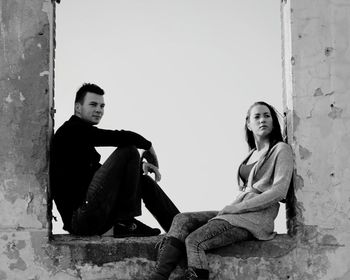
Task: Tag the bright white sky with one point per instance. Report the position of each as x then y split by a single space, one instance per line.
182 73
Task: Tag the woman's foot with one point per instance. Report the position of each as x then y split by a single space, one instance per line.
169 254
196 274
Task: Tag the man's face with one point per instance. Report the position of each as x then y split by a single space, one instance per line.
92 108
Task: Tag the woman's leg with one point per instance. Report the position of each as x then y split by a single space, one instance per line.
184 223
214 234
173 247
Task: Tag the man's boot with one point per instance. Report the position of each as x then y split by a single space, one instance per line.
169 254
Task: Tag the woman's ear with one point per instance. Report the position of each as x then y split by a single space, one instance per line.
248 126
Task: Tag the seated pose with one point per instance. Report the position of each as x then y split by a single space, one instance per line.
92 198
263 179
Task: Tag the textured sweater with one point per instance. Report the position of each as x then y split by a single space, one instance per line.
257 204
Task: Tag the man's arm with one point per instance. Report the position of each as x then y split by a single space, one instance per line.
150 156
104 137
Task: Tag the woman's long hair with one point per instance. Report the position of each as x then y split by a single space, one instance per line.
275 135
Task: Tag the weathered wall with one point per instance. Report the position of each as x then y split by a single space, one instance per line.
316 44
317 95
25 90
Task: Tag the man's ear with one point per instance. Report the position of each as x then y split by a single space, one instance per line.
77 108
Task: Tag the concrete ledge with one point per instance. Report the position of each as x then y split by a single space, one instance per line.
101 250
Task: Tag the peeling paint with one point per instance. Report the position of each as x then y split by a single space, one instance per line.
329 240
9 99
292 60
304 153
328 51
330 93
44 73
4 237
335 113
13 253
296 120
318 92
3 275
21 97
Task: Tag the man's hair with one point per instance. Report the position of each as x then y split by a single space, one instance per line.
275 135
84 89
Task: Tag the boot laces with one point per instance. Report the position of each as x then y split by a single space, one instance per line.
160 248
191 274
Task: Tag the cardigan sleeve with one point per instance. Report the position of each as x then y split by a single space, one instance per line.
283 169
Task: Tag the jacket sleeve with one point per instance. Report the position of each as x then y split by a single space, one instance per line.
283 170
116 138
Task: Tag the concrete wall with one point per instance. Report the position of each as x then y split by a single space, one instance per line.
25 88
317 97
316 44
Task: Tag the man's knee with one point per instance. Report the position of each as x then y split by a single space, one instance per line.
130 151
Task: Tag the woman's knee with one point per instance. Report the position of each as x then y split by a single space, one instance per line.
194 239
182 219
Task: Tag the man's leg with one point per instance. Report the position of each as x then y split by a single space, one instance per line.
113 194
157 202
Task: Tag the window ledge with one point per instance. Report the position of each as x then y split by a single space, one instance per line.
98 250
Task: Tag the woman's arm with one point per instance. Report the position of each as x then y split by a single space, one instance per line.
278 191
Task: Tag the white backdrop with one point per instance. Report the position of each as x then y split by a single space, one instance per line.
181 73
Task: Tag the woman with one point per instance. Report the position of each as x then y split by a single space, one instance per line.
263 178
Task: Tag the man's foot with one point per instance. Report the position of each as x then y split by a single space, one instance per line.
133 228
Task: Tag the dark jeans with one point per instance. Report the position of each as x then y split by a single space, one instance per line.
200 233
115 194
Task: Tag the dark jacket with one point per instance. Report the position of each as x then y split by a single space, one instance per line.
74 160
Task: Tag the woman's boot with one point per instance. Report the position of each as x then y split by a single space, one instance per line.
196 274
169 254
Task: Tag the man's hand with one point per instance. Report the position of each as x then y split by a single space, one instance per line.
150 156
150 168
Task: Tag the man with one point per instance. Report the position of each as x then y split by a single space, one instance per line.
91 197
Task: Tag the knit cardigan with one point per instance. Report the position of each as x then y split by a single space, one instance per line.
256 207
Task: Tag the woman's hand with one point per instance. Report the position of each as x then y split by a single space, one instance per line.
229 209
150 168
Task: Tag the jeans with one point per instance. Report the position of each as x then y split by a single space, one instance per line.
199 234
115 194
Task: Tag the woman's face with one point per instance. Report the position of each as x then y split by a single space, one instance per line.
260 121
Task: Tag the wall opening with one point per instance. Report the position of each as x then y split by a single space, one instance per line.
190 68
